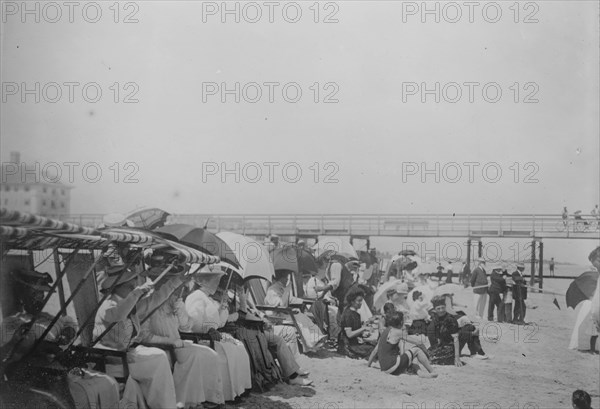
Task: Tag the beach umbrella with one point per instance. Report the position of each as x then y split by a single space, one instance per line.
252 256
582 288
297 260
148 218
447 289
201 239
293 258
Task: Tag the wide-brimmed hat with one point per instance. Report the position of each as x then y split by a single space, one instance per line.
34 279
110 276
438 300
400 288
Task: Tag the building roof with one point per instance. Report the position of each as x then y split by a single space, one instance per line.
28 175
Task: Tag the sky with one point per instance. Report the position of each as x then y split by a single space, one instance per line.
366 150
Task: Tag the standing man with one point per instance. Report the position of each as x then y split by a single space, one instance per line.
519 294
465 273
552 267
479 282
440 273
565 216
497 288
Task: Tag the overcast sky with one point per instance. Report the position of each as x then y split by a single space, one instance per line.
372 136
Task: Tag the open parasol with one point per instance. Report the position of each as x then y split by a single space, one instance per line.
201 239
297 260
148 218
582 288
252 256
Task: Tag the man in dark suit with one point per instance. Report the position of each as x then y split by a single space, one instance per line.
497 288
519 294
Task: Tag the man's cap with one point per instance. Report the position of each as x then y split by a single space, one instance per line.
481 260
520 265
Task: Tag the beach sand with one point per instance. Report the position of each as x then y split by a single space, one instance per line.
531 368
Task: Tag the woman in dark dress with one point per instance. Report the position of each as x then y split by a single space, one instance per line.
352 329
447 338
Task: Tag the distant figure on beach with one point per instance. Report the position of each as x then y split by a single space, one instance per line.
465 274
449 274
581 400
552 267
565 216
440 272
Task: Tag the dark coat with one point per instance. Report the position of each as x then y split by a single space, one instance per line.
479 278
519 289
498 283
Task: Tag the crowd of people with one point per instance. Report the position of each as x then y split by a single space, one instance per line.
408 325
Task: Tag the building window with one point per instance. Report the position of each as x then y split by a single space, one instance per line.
43 203
45 190
52 205
27 202
26 188
62 192
62 205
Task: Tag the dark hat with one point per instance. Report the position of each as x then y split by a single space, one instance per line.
498 269
34 279
406 263
437 301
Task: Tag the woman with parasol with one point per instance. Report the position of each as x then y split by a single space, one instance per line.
195 372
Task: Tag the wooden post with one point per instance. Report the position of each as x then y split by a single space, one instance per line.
541 267
479 248
61 289
531 280
469 254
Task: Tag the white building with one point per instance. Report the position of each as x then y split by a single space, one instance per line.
24 189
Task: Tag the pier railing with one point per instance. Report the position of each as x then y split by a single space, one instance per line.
392 225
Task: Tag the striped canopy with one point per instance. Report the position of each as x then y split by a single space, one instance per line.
22 231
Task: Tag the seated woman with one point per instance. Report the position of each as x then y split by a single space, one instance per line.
351 341
206 315
447 339
317 289
279 295
394 356
150 380
195 373
419 311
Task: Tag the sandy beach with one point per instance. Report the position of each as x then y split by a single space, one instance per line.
531 368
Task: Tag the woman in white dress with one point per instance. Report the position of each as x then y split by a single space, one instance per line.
206 315
195 373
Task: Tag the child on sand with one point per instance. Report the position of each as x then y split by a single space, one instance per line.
394 357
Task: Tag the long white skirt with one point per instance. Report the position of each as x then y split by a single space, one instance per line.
196 376
234 366
150 382
584 328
